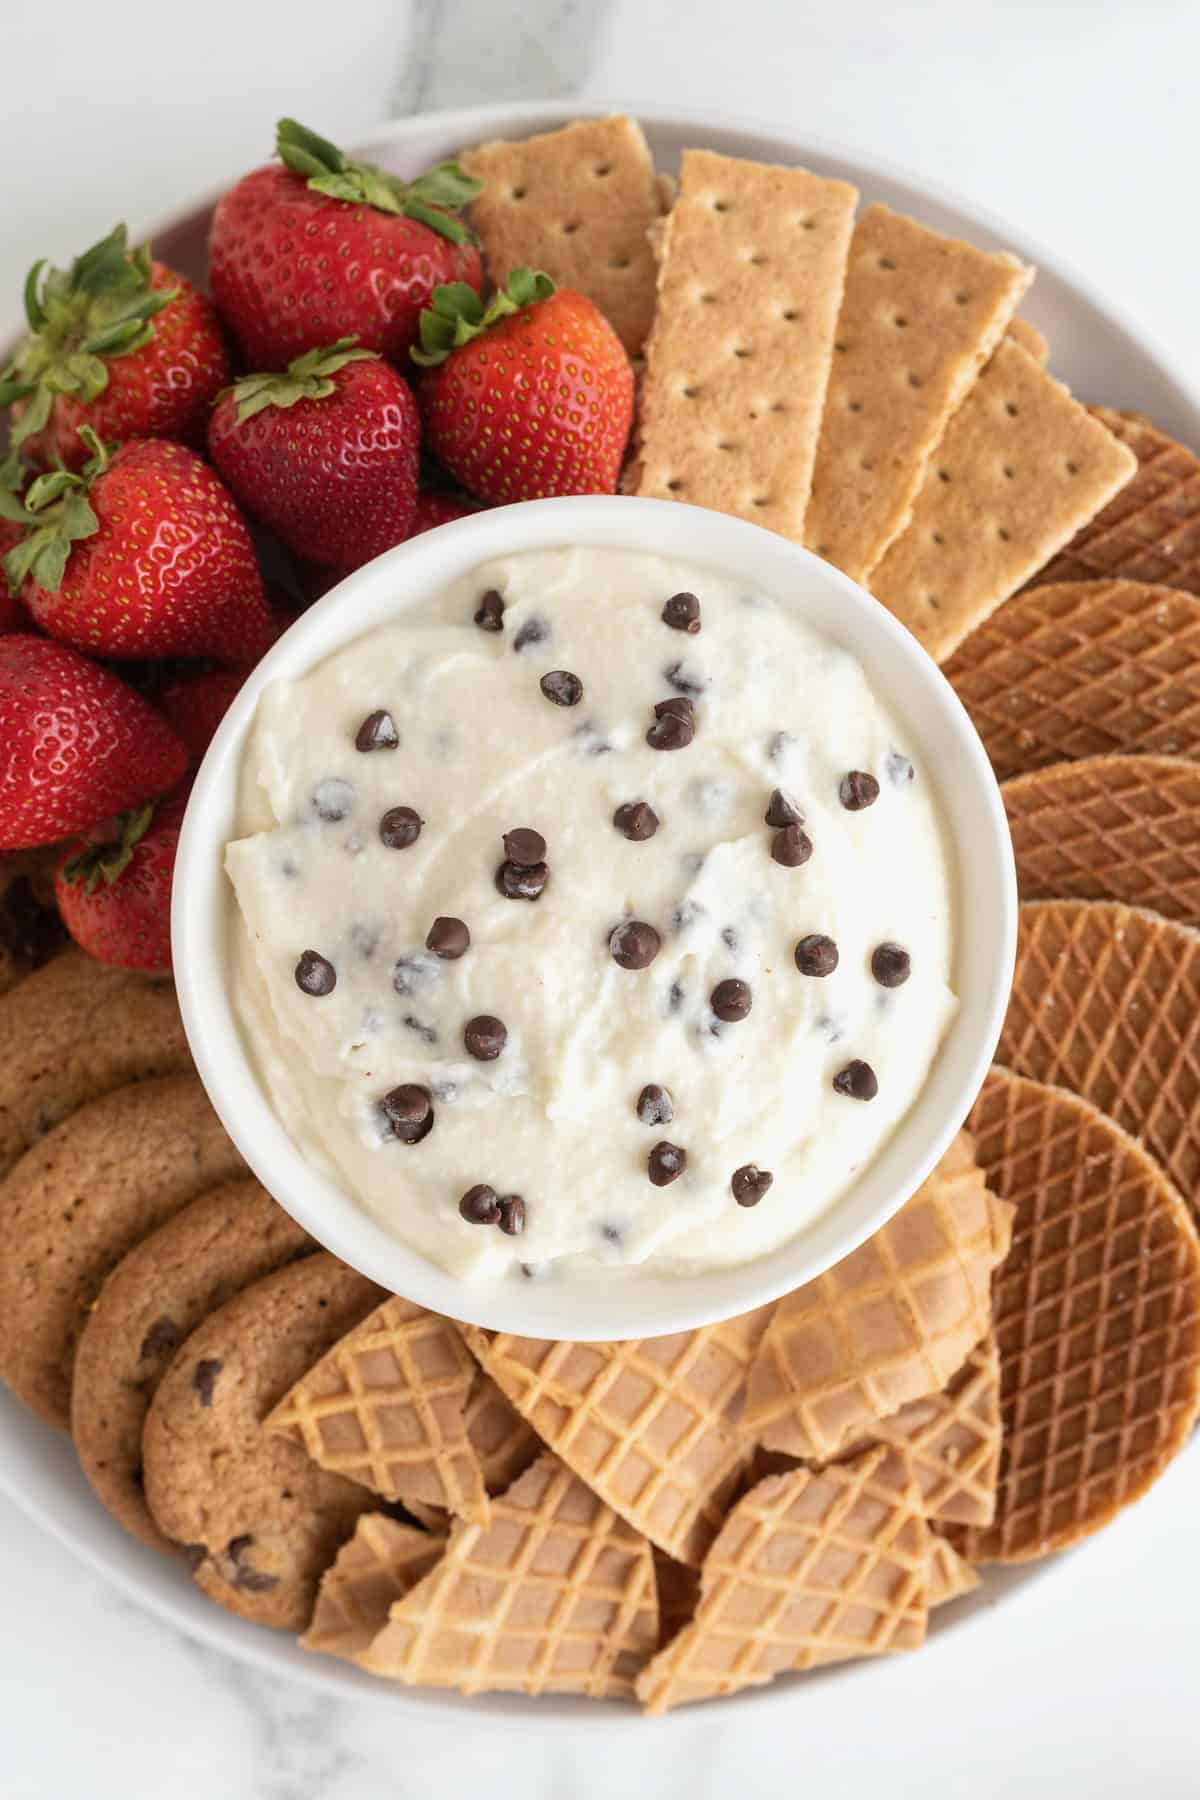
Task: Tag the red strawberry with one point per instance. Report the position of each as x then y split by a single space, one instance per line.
117 342
76 744
434 509
195 704
144 554
114 891
325 454
530 398
321 248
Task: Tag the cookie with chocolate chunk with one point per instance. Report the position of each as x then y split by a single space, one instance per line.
79 1201
260 1521
73 1031
152 1301
31 931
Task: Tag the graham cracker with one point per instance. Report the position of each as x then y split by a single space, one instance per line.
577 203
1020 468
920 316
1030 339
1110 828
1151 531
752 259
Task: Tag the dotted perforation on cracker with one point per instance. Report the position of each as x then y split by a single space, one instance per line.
1097 1318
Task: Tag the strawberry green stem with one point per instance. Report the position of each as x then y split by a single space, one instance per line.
434 198
56 514
107 861
456 314
309 377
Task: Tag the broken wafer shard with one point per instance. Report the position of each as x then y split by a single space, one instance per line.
1151 531
920 316
752 259
950 1574
1083 668
1110 828
385 1408
1097 1319
650 1424
889 1324
378 1566
504 1442
1020 468
556 1595
952 1441
578 203
810 1568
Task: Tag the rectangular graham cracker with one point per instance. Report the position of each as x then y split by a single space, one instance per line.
751 264
1030 340
920 316
1021 467
578 203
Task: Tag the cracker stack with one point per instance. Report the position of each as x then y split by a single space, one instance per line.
810 1568
887 1326
920 315
750 278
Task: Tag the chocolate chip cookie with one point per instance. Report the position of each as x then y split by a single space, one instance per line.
153 1299
260 1521
73 1031
77 1202
31 931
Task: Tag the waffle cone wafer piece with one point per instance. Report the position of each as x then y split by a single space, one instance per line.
1085 668
1097 1319
952 1441
1110 828
921 314
1106 1003
555 1595
1151 531
382 1562
1020 467
950 1574
811 1567
385 1408
649 1424
889 1324
502 1440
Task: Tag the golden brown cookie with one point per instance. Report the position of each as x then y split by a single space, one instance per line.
260 1521
31 931
76 1030
77 1203
150 1303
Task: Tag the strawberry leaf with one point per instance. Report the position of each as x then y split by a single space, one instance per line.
456 315
433 198
107 861
57 515
307 377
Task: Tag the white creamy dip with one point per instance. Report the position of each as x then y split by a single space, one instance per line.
481 752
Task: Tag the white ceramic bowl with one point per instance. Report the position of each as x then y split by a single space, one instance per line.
937 730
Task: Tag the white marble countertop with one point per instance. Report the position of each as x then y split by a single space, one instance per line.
1074 118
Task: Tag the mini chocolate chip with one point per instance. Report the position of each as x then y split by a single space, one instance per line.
899 769
333 799
427 1033
480 1205
782 810
675 997
791 847
448 938
489 614
512 1215
750 1183
778 745
665 1163
634 944
685 915
654 1105
731 1000
890 965
636 820
857 1080
591 739
315 974
163 1339
674 725
677 675
407 1112
563 688
816 955
241 1575
399 827
682 613
857 790
485 1037
524 847
364 939
377 732
410 974
679 706
204 1378
535 630
519 883
730 938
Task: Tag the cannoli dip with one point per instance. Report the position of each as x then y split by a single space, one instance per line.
594 912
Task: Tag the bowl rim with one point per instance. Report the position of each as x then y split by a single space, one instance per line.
647 1304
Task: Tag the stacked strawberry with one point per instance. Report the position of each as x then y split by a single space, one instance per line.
144 481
